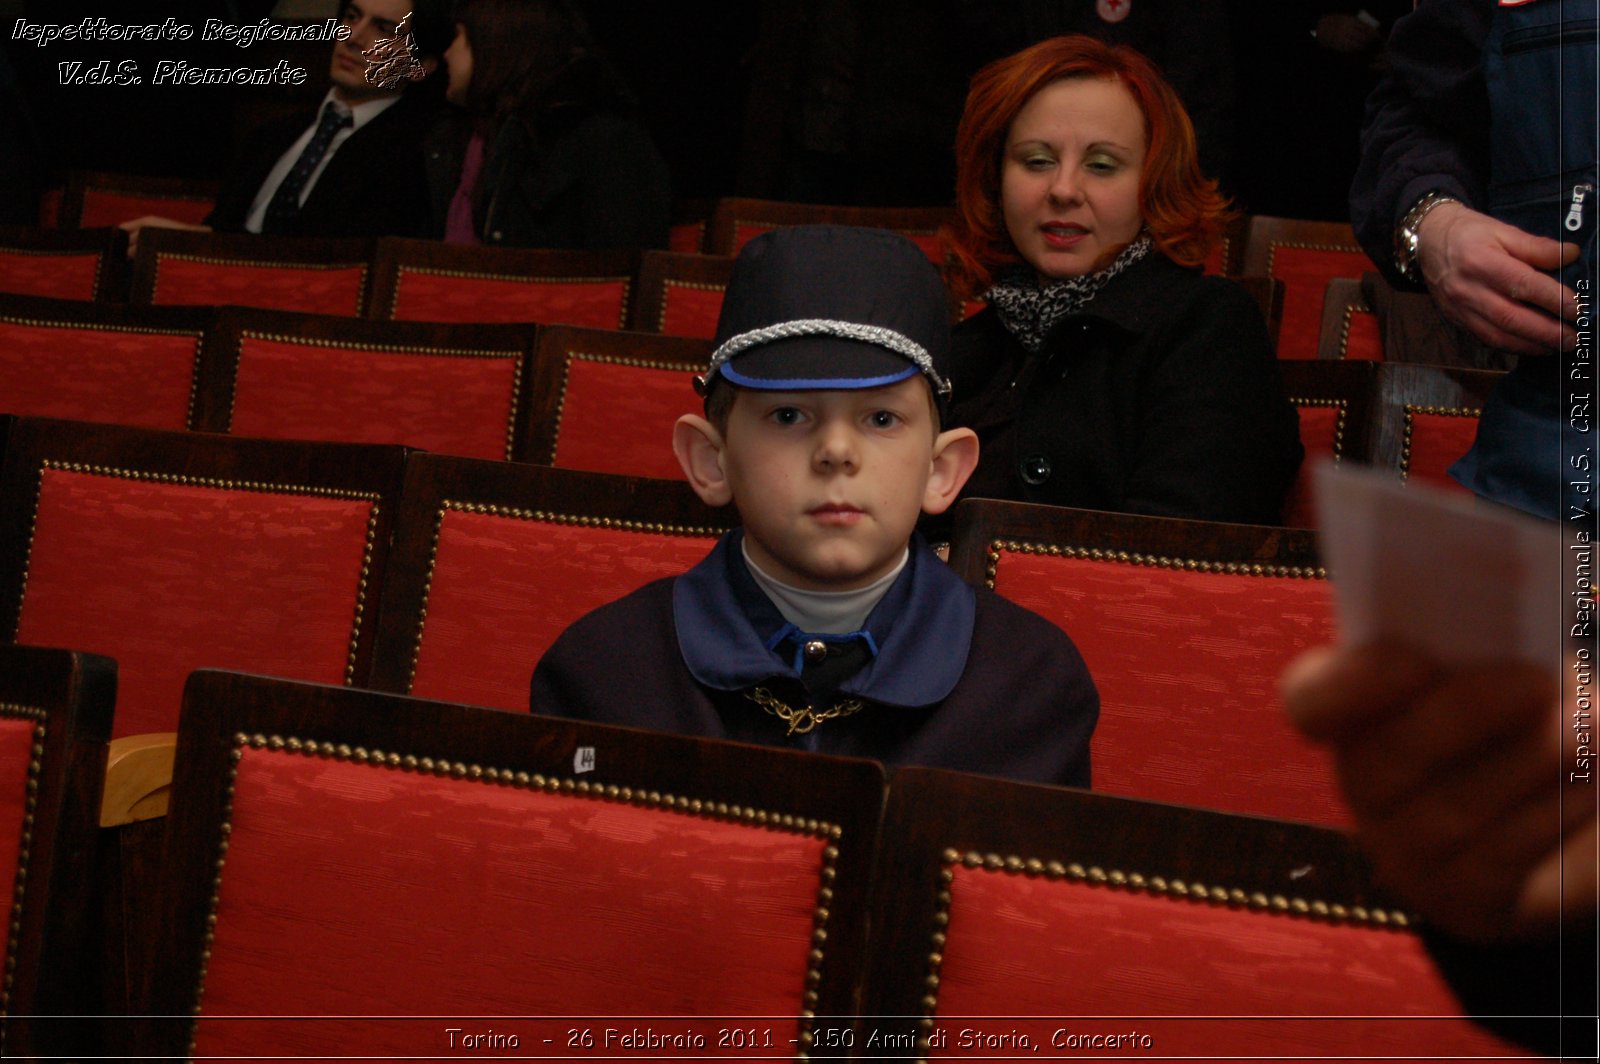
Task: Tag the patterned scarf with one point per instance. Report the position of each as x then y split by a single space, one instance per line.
1030 310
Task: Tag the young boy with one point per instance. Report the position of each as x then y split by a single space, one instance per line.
826 623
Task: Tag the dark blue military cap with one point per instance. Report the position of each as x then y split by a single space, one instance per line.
830 306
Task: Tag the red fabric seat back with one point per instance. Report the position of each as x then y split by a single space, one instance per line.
1427 418
687 237
455 402
1305 271
55 718
169 572
1334 399
1015 920
1435 438
57 274
422 294
1361 338
1350 328
449 896
1187 662
107 206
616 415
1323 424
1204 979
690 308
334 288
357 859
21 729
124 374
503 584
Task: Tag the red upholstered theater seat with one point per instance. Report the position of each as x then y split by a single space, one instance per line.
1304 256
680 295
346 854
172 551
86 265
451 388
424 280
55 717
1226 258
1163 932
736 222
311 276
1186 627
687 237
493 560
94 362
690 220
93 199
606 401
1349 325
1334 401
1426 417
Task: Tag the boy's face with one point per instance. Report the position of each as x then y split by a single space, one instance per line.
829 483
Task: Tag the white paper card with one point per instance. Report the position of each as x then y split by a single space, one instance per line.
1460 578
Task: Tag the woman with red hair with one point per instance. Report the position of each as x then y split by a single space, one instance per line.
1107 372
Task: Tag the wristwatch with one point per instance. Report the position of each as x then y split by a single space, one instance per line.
1407 237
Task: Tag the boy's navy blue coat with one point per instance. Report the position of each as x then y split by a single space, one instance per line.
961 679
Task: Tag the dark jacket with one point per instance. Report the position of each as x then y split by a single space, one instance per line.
582 174
962 679
1162 396
373 185
1493 106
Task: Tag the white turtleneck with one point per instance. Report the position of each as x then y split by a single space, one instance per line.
824 612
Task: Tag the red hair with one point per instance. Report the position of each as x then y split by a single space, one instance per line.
1182 210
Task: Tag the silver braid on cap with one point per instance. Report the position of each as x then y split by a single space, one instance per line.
877 335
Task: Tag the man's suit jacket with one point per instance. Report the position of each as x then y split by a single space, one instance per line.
373 186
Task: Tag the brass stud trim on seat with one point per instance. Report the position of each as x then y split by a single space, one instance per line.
1272 250
1350 311
505 777
212 260
19 882
1343 408
673 282
197 335
514 354
1115 879
518 278
545 516
98 254
259 487
1411 412
999 547
609 360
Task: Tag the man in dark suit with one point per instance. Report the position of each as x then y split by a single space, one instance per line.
352 168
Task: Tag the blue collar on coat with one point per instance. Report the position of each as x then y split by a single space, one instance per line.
922 628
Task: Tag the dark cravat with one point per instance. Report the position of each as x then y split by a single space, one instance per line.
285 202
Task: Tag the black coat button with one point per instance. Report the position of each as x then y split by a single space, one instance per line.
1035 470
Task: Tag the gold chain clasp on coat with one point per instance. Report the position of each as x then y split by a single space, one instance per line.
803 720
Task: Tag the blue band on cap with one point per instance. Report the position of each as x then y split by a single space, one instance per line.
807 384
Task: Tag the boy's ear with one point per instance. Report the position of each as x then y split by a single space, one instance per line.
698 445
955 456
